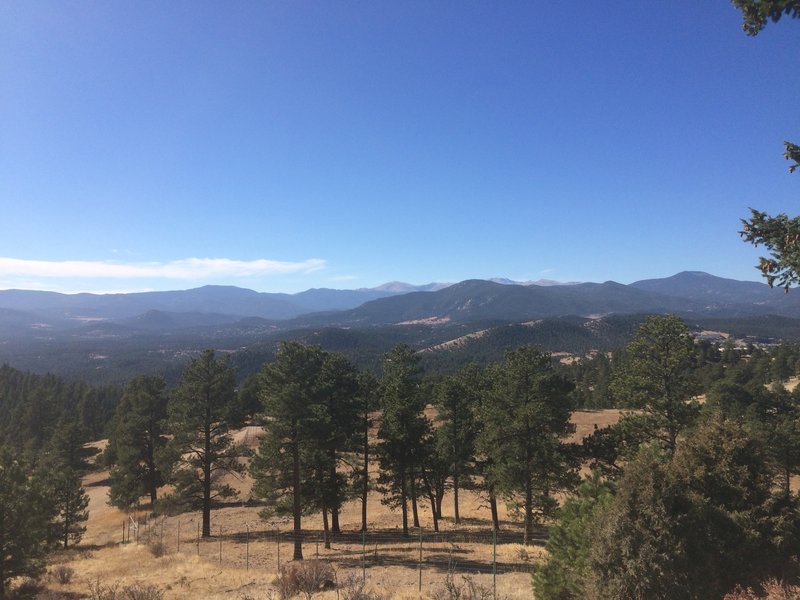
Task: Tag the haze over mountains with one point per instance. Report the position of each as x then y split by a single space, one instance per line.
687 293
108 338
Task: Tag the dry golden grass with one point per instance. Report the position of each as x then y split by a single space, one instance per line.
189 570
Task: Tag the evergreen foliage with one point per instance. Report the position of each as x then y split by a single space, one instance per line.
202 448
657 378
24 520
457 398
525 419
312 414
70 504
137 440
32 406
563 573
403 430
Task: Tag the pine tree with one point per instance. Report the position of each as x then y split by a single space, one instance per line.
457 398
657 378
290 463
340 389
202 448
564 571
524 422
403 429
70 503
137 440
24 521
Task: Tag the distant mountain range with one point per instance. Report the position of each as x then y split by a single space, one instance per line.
107 338
687 293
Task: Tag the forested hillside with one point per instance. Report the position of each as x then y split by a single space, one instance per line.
33 406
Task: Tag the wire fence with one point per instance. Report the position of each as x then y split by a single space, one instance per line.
258 546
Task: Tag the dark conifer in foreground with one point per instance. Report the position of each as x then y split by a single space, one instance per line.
525 421
403 429
137 440
202 448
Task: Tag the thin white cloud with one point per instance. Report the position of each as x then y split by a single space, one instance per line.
187 269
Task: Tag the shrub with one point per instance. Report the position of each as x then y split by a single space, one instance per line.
135 591
62 574
306 577
468 589
353 587
100 591
157 549
142 591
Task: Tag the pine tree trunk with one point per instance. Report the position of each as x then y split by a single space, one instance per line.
404 501
528 513
413 490
325 529
335 520
334 503
207 483
66 526
433 511
296 501
493 507
456 516
365 483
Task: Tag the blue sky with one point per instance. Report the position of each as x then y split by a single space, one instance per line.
288 145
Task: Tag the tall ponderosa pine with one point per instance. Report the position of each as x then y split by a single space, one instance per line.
403 430
367 386
457 399
137 439
524 422
340 388
291 468
657 378
202 448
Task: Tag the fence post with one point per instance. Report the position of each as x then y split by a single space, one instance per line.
278 536
198 538
247 549
179 537
123 531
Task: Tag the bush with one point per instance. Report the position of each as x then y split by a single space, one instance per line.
466 590
135 591
101 591
157 549
353 587
62 574
306 577
142 591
